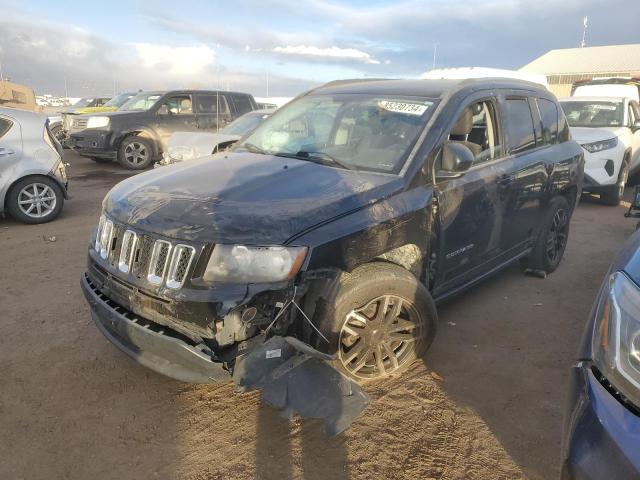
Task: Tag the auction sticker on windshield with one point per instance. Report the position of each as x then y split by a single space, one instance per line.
403 107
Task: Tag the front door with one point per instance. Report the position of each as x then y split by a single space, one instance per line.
470 208
175 114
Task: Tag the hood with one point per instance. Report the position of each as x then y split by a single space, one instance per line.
189 145
584 135
242 198
86 110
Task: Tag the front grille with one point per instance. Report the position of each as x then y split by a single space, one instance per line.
127 251
158 262
180 262
143 256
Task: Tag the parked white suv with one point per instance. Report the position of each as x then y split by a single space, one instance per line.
33 180
608 128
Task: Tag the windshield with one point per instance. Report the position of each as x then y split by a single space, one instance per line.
83 102
593 114
119 100
142 101
354 131
245 124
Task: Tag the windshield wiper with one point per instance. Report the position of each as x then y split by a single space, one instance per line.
318 157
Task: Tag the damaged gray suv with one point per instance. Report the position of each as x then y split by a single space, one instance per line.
309 258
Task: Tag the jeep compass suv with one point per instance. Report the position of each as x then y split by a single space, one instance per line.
339 222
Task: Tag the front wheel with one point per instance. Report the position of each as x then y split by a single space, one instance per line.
379 321
552 238
135 153
612 196
35 200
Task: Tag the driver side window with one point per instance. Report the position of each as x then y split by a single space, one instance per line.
477 129
177 105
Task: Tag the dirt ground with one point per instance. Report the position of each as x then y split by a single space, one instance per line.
488 403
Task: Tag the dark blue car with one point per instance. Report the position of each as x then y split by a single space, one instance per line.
602 423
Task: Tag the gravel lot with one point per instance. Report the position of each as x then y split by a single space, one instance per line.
488 403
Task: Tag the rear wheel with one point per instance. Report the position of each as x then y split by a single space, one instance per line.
612 196
35 200
379 322
552 238
135 153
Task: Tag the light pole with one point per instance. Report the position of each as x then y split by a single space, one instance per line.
435 49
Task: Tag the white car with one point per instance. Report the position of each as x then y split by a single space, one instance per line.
608 128
185 146
33 179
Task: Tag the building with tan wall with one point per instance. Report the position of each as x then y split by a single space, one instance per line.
564 67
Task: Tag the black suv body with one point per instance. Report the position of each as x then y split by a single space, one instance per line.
339 221
138 132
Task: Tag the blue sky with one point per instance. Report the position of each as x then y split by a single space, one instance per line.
96 47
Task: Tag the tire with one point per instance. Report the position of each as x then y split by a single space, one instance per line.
553 234
612 196
135 153
100 160
20 205
368 346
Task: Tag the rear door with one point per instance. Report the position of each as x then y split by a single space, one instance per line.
10 148
212 110
529 161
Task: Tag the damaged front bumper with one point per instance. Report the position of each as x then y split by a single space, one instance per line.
293 377
158 348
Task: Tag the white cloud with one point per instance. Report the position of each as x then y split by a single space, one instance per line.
327 53
175 60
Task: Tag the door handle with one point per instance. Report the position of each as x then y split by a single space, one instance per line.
5 152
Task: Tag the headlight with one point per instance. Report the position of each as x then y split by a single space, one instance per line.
616 338
97 122
242 264
600 146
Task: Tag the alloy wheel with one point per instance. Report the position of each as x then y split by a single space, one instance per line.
379 338
37 200
136 153
557 238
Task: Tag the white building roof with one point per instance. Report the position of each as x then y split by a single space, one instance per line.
608 59
481 72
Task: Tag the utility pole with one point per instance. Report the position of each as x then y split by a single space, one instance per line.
66 91
435 49
267 83
585 24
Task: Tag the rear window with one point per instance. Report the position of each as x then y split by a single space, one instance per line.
242 103
518 123
5 125
549 120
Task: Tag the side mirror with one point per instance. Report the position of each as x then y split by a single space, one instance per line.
163 110
456 159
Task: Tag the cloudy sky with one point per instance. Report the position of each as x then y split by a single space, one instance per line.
284 45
